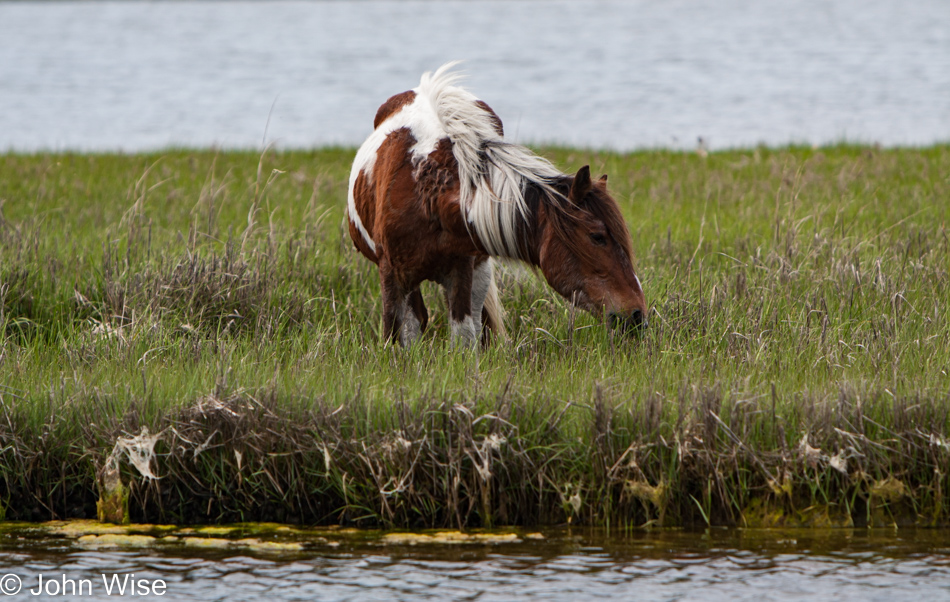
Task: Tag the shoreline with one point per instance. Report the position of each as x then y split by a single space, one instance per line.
541 147
700 460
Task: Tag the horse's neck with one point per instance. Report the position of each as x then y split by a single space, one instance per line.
534 224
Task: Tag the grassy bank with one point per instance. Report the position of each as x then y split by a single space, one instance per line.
796 370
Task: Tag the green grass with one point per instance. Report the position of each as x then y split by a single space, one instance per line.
793 291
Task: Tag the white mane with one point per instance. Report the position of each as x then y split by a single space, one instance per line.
493 174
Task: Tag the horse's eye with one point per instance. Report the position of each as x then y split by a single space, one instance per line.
598 239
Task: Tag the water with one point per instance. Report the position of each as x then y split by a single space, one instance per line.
859 565
623 73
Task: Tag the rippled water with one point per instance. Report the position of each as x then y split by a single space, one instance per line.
612 73
568 565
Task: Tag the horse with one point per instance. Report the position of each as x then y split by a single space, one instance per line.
435 192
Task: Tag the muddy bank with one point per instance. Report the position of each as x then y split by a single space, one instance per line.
701 459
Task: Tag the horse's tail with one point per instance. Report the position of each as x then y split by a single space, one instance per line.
493 314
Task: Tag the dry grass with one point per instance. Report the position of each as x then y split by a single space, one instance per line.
696 459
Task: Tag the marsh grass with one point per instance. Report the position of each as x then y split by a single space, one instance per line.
795 371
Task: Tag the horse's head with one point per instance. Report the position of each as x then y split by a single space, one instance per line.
585 254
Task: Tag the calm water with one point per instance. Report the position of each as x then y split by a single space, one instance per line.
722 565
623 73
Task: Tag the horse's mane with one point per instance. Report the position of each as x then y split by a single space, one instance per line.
493 174
601 206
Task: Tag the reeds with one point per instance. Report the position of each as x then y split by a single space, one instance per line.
496 460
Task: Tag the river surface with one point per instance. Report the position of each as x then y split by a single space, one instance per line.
620 74
860 565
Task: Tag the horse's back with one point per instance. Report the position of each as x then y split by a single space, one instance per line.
405 168
394 104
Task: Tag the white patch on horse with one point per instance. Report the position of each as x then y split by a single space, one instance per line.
482 278
464 330
353 214
420 119
411 327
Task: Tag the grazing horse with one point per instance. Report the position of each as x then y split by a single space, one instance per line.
435 192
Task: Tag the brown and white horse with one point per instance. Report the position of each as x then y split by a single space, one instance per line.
435 192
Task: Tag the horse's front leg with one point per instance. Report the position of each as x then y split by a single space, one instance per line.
458 295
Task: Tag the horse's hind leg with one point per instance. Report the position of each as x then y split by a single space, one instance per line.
394 301
418 308
458 295
404 314
481 281
485 301
415 319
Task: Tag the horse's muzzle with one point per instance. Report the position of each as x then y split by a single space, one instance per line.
632 323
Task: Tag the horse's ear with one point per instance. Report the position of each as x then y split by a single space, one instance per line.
581 185
603 180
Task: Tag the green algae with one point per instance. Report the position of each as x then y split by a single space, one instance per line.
110 540
889 490
264 538
890 505
216 530
535 536
113 504
449 538
257 545
653 497
206 542
78 528
764 513
811 529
